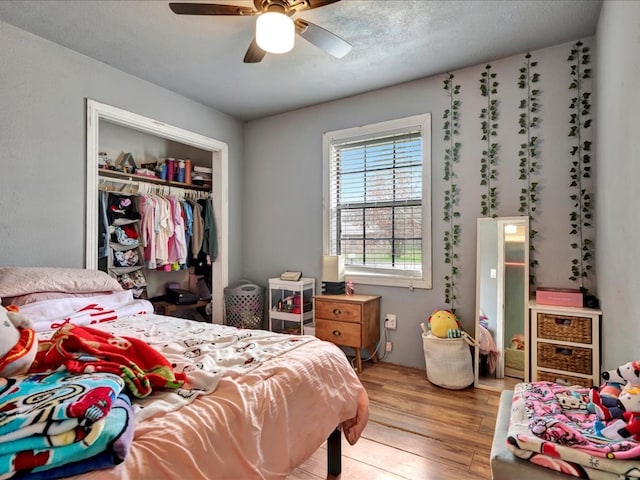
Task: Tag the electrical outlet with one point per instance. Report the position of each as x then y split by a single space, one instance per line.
390 321
388 347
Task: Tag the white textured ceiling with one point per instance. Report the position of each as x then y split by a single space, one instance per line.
393 42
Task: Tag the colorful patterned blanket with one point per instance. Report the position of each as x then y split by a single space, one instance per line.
85 349
56 418
551 426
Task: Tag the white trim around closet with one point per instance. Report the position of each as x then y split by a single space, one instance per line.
97 111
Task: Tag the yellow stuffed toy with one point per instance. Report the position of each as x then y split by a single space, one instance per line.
444 324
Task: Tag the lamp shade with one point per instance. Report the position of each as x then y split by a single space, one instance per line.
275 32
333 268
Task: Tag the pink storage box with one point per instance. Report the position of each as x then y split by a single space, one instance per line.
559 297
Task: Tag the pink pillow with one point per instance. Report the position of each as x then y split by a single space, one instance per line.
16 281
28 298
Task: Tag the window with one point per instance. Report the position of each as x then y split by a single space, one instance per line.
377 201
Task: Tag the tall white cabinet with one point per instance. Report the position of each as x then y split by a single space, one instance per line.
105 122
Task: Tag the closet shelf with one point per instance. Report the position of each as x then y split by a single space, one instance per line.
104 173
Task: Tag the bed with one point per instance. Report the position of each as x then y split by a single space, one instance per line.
255 404
550 426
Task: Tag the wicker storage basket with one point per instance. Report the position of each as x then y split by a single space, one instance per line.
562 357
563 379
564 328
448 361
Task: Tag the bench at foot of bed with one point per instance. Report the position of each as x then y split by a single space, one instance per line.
504 464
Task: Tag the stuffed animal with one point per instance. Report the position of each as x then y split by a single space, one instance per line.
444 324
18 342
629 372
603 400
627 427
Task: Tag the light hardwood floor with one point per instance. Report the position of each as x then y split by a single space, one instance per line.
416 431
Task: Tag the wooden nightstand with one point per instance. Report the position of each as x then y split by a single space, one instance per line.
350 321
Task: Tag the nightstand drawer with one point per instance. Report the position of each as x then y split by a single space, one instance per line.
340 311
340 333
567 358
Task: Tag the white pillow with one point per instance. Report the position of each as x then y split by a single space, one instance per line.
16 281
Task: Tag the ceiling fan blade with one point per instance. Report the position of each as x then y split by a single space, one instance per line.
302 5
320 3
254 53
324 39
210 9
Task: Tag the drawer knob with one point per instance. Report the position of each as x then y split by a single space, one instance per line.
336 333
337 311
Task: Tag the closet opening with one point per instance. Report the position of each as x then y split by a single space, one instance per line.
113 133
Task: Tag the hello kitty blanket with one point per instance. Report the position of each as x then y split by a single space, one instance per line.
551 426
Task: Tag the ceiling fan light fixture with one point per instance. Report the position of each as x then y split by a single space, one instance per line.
275 32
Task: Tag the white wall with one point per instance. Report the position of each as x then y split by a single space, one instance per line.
618 152
43 89
283 191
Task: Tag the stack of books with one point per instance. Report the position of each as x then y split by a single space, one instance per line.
333 288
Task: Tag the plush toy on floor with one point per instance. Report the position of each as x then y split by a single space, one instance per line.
444 324
18 342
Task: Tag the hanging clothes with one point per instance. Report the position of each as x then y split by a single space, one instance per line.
198 229
210 242
177 243
103 224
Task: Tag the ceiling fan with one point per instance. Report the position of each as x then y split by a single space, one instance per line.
280 11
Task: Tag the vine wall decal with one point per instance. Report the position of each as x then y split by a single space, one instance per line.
452 156
528 153
579 122
489 160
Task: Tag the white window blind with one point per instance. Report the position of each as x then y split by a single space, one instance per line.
376 217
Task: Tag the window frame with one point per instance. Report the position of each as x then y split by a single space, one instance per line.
422 121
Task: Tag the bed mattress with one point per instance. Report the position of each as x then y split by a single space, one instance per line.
258 404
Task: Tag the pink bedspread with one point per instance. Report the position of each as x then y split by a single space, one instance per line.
258 425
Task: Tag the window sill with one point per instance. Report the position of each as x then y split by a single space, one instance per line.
388 281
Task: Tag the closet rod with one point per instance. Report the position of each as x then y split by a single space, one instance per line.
146 187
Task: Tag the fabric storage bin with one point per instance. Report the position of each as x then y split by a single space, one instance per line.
448 361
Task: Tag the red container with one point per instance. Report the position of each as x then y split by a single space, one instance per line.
559 297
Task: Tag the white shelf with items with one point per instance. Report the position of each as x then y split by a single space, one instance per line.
291 304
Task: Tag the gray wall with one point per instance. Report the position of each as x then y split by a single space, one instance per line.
283 186
618 152
43 88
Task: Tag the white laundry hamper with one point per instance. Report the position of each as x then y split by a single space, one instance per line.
448 360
